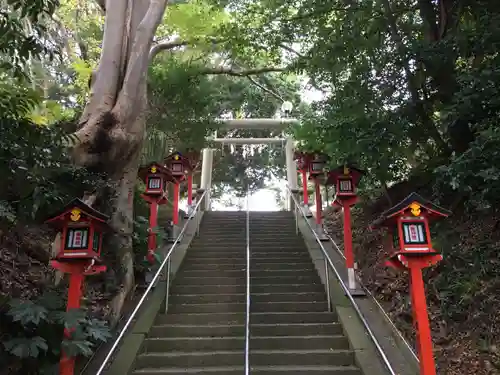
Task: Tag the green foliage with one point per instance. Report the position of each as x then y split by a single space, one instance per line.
38 175
476 172
22 28
192 20
33 333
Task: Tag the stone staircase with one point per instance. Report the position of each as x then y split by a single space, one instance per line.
204 332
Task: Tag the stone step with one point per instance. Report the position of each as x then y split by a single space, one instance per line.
285 236
242 249
261 370
310 278
238 318
254 266
305 357
231 262
241 297
204 274
306 370
227 370
221 307
194 344
274 273
299 343
241 288
202 308
207 298
310 357
202 318
292 317
297 329
183 280
191 359
258 330
213 330
269 254
296 306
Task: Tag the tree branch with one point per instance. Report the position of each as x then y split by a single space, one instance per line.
165 46
242 73
265 89
169 45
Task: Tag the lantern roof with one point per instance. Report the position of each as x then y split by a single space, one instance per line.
178 157
76 207
152 168
174 156
413 203
345 170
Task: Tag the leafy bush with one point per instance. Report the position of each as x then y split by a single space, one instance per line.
33 333
476 173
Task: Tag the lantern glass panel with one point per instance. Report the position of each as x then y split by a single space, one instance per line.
177 167
414 233
317 166
77 238
95 241
345 186
154 182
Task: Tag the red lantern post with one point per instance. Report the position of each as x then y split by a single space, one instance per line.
317 174
192 159
177 165
411 248
345 179
82 230
303 160
156 179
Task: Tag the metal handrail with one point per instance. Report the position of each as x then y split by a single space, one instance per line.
367 291
247 317
165 262
342 284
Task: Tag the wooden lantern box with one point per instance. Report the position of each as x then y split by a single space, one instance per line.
345 179
408 227
177 165
156 178
82 230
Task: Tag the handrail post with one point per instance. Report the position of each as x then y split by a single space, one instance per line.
327 276
247 317
167 288
293 201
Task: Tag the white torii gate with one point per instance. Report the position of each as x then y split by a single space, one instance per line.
252 123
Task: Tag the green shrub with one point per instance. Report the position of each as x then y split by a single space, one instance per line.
33 334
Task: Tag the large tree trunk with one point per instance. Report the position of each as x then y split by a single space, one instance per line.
112 127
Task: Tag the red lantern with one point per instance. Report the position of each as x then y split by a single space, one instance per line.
155 177
317 165
82 229
345 179
408 224
177 165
